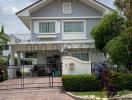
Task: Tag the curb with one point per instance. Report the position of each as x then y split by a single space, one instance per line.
122 98
127 97
84 98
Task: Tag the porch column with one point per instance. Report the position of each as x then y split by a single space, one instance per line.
11 70
19 58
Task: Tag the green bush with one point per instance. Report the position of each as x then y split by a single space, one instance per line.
2 61
3 69
109 27
123 81
82 83
79 83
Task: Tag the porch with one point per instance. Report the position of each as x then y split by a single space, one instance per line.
46 50
50 60
53 51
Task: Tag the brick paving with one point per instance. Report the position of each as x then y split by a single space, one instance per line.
30 82
45 94
35 88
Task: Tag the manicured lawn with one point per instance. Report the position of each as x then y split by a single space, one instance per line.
124 92
99 93
96 93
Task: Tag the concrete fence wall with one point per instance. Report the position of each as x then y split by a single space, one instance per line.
74 66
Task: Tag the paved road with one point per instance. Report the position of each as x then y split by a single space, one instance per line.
45 94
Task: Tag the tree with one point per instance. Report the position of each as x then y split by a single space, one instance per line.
119 45
119 49
109 27
125 6
3 38
2 30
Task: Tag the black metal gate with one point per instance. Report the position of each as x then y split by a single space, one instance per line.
32 76
37 75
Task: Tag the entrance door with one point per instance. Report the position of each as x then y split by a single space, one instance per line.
55 64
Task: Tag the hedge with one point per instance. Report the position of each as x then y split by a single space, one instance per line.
123 81
82 83
3 69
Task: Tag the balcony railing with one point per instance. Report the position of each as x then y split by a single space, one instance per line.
33 37
17 38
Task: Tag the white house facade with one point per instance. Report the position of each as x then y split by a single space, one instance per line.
60 33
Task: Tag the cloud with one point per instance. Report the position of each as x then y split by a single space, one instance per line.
14 9
12 24
8 10
10 7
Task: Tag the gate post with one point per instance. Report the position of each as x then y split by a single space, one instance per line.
19 58
11 72
52 75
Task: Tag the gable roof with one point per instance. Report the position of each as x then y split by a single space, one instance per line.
28 7
45 0
102 4
24 14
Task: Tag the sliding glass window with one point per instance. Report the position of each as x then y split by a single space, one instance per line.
74 26
47 27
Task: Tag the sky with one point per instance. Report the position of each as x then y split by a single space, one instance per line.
12 24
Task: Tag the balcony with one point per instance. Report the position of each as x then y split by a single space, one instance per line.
18 38
44 38
27 38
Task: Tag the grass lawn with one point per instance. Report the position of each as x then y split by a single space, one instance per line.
96 93
100 93
124 92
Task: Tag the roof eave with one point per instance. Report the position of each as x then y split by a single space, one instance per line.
28 7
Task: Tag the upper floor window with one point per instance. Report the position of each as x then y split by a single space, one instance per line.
74 26
47 27
67 8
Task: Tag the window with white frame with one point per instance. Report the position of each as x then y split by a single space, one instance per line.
67 8
77 26
47 27
81 55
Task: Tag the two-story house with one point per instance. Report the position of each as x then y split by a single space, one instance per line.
59 28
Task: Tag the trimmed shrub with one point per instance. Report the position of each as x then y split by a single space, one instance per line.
80 83
123 81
